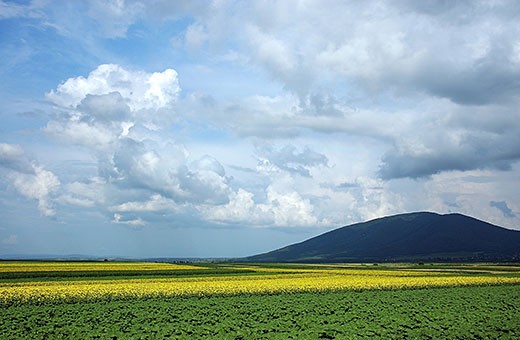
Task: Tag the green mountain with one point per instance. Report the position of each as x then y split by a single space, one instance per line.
421 236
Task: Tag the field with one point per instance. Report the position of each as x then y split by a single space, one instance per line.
157 300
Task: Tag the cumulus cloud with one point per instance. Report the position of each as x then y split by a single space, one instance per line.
277 193
370 45
37 186
287 202
286 117
28 177
135 164
12 156
473 75
10 152
357 199
104 107
122 117
113 112
466 68
280 209
459 139
204 181
289 159
87 193
240 209
469 192
399 164
140 90
76 201
168 172
351 99
101 108
276 55
154 203
290 209
136 222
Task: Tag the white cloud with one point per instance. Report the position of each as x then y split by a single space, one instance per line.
9 152
196 36
118 115
123 118
290 159
76 201
140 90
240 208
290 209
204 181
163 89
137 222
104 107
454 139
87 193
96 136
155 203
37 186
335 93
12 156
14 10
287 209
113 18
28 177
100 109
271 51
165 170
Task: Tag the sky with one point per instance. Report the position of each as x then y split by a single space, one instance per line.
228 128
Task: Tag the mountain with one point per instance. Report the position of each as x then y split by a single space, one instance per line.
413 237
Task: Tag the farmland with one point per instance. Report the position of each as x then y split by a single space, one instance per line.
258 301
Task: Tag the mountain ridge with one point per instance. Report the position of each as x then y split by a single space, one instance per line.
409 237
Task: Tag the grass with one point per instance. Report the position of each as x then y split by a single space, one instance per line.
457 312
260 301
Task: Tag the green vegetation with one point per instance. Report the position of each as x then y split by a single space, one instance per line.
461 312
477 311
104 270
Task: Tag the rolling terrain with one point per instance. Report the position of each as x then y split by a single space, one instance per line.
412 237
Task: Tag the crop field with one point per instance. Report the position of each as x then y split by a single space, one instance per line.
225 300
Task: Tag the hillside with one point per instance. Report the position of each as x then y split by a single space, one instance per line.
421 236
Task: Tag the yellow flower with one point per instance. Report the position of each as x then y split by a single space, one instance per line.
263 281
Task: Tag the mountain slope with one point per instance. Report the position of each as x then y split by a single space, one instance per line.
421 236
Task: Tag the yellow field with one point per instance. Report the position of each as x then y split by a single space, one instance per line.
37 266
266 280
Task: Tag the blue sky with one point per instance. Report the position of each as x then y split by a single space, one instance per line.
228 128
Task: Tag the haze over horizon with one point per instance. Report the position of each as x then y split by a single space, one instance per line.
231 128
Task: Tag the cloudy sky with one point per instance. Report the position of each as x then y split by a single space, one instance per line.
228 128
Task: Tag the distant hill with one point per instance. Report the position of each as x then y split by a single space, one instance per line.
413 237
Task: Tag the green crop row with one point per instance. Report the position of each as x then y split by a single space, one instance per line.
457 312
120 274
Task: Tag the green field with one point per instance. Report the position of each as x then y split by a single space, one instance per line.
472 311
